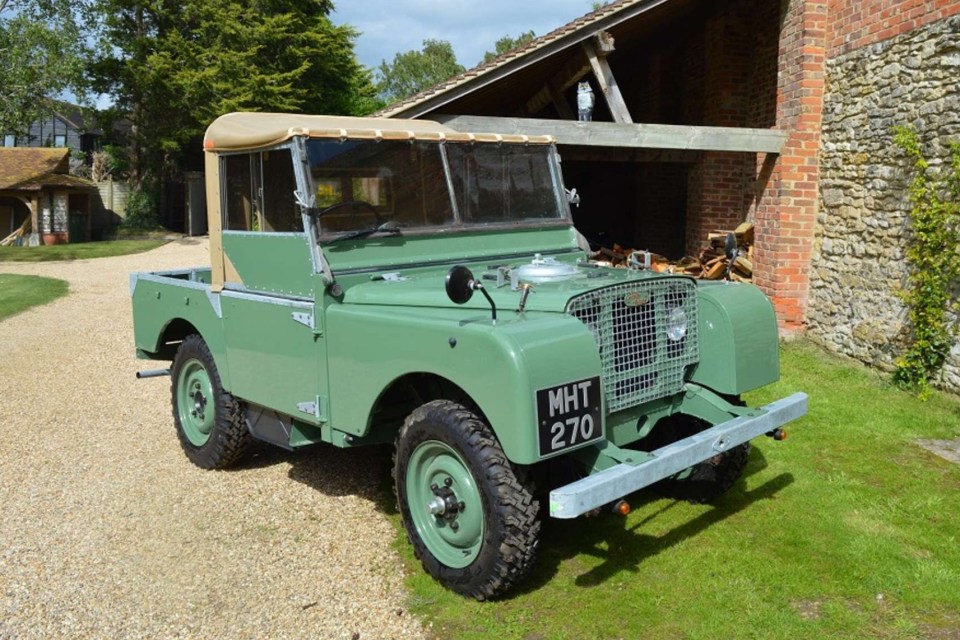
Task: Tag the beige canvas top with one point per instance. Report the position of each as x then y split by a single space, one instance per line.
250 130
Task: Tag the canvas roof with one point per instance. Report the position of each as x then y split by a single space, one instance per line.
34 168
250 130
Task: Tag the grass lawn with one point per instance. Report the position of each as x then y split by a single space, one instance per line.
845 530
18 293
78 251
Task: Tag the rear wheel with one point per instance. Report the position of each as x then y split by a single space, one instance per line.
469 514
209 420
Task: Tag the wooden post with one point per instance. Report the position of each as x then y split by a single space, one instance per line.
608 84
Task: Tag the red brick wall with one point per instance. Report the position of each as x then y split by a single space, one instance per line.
719 182
858 23
786 211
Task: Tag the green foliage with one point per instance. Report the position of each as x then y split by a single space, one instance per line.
835 533
22 292
141 211
175 67
43 53
414 71
933 254
506 43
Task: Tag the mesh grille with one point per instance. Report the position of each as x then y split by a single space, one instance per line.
629 322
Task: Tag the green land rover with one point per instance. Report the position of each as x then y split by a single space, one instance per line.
381 281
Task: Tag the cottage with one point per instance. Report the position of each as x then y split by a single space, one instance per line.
39 197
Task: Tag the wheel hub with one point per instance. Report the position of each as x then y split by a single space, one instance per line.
445 505
199 401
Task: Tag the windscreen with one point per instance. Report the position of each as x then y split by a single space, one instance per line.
359 184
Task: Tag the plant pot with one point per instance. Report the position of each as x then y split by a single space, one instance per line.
59 237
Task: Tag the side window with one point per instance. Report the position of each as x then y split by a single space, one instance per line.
280 211
258 192
238 192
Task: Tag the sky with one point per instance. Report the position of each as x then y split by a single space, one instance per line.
388 27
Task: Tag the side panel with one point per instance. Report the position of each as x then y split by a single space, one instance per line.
273 263
276 357
158 301
739 348
501 367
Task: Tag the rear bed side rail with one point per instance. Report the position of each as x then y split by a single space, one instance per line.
620 480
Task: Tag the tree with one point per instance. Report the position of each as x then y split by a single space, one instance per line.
173 67
414 71
506 43
42 54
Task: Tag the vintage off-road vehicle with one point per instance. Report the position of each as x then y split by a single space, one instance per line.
338 307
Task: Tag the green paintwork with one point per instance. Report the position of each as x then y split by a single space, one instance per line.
161 301
500 367
195 401
436 463
274 263
276 361
392 252
739 345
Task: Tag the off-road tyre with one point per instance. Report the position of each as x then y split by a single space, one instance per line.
709 479
214 440
444 439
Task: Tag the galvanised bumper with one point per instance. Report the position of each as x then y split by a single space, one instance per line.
611 484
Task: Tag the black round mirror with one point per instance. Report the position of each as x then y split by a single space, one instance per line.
731 246
459 284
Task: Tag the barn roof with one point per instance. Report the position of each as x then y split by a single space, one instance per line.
557 41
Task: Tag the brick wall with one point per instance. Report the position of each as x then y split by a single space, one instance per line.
855 24
786 211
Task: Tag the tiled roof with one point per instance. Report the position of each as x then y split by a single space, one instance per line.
33 168
534 45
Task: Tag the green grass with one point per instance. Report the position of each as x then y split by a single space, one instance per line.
79 251
845 530
19 293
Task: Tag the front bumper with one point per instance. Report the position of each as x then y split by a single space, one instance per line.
612 484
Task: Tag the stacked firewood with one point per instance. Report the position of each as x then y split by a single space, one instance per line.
714 258
711 264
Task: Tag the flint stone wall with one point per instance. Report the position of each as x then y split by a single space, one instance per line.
858 260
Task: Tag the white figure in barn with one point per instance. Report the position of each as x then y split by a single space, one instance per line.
584 102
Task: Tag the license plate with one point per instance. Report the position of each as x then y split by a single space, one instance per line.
569 415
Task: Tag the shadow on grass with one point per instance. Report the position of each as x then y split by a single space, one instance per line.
622 547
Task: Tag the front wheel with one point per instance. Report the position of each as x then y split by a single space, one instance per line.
471 518
208 419
706 481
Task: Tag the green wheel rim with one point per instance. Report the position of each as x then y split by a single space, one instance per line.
195 402
455 537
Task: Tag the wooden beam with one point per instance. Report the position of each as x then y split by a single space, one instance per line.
627 135
607 154
608 83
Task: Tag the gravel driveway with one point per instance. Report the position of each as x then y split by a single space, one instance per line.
107 531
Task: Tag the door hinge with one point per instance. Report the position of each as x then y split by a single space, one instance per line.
312 407
306 319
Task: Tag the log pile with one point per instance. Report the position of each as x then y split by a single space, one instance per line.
711 264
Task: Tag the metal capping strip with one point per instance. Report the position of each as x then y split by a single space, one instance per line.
434 136
623 479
